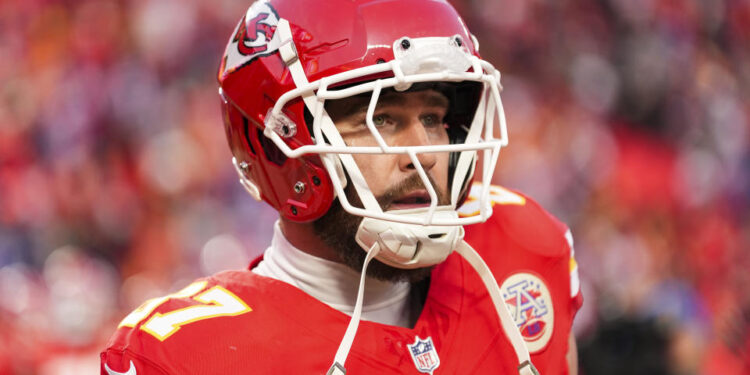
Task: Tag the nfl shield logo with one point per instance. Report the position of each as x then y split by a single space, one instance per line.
424 355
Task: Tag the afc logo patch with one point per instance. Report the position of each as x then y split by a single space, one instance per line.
254 36
424 355
530 304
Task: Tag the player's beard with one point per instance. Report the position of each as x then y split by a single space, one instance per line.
337 228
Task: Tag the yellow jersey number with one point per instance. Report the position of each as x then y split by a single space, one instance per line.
214 302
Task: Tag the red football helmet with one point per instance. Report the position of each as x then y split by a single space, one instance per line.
284 60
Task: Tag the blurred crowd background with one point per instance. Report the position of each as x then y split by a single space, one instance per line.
629 119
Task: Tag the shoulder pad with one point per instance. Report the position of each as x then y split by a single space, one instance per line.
204 299
518 218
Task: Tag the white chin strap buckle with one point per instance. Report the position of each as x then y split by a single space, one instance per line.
411 245
336 369
527 368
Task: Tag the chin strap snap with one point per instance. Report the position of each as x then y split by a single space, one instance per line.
526 368
336 369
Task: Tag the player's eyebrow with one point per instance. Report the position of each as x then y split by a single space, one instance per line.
436 99
361 102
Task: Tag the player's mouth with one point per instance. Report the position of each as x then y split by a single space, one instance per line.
415 199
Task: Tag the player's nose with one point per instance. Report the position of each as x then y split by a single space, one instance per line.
416 134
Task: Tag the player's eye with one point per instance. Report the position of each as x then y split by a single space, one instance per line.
431 120
379 120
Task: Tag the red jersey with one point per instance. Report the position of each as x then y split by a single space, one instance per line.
238 322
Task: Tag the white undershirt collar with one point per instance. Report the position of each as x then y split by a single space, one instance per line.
333 283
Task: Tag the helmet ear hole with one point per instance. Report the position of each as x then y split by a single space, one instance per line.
273 153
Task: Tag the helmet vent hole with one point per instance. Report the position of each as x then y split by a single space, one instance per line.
273 153
436 235
246 131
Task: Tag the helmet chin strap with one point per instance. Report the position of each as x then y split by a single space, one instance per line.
525 367
381 245
337 368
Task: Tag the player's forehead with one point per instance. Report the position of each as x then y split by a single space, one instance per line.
427 97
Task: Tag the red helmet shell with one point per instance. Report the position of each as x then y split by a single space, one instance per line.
331 36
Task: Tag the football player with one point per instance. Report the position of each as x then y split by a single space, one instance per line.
373 127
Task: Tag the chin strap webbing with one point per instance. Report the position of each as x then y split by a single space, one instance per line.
337 368
506 321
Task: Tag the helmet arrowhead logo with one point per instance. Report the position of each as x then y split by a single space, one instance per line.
254 36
